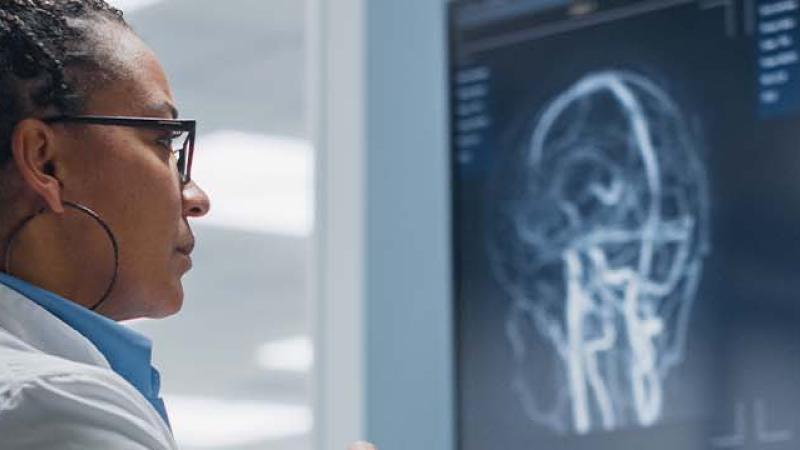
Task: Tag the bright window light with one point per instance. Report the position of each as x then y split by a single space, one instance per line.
204 422
288 355
256 182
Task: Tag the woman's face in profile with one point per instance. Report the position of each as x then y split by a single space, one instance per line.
130 178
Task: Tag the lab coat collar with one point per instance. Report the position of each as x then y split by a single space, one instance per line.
127 352
32 327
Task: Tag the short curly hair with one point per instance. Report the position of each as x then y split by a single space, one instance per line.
49 58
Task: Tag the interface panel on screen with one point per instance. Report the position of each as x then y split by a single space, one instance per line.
626 199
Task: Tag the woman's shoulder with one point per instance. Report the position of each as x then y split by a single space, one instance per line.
89 405
52 376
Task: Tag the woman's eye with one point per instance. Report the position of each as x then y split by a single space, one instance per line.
168 141
165 142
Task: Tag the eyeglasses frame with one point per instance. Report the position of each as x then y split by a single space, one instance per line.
183 125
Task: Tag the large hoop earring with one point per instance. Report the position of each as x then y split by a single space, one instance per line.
94 216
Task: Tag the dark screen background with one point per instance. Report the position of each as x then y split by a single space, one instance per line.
744 339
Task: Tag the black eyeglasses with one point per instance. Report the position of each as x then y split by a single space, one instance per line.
181 138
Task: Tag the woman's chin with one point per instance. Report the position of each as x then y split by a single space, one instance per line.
175 304
168 304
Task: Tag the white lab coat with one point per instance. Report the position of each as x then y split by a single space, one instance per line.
57 391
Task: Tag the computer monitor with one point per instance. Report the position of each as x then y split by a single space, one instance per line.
626 204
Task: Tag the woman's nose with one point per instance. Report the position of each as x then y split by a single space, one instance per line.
195 200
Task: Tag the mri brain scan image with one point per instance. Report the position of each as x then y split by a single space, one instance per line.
598 228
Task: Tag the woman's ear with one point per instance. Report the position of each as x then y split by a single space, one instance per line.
34 151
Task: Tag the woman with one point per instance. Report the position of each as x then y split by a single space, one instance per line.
95 197
95 193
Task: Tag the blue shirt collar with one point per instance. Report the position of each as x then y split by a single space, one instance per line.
128 353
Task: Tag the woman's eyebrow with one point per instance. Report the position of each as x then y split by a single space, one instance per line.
162 109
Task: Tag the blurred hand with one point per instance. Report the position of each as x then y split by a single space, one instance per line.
362 446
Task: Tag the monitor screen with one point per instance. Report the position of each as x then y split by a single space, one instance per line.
626 198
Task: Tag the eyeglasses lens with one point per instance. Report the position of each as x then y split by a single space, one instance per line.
180 147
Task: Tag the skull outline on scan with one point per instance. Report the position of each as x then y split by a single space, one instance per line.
597 232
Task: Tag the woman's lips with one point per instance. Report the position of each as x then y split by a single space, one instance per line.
186 259
186 248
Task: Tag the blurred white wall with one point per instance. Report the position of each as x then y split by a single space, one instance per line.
235 362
